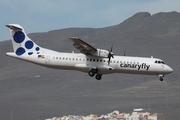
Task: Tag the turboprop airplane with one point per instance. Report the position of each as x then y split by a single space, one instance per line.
95 62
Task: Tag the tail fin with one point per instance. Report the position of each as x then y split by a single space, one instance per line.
22 44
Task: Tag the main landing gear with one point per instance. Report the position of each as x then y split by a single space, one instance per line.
93 72
161 77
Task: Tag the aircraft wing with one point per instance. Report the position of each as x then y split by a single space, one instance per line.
82 46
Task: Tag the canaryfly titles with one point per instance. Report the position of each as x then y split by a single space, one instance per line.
136 66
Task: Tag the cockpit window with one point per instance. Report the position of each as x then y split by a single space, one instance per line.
159 62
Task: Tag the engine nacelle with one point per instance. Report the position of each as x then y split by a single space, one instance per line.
101 53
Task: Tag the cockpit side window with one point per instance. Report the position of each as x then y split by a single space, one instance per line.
159 62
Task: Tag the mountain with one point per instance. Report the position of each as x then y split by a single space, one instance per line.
31 92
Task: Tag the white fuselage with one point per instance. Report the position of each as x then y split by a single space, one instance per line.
81 62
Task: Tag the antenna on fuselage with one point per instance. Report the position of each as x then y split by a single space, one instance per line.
124 53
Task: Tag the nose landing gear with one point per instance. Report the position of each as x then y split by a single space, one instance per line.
161 77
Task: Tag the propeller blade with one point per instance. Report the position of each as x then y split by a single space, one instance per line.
111 48
111 54
109 60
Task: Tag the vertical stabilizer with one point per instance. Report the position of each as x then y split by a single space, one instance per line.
22 44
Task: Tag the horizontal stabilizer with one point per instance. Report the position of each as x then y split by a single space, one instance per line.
14 26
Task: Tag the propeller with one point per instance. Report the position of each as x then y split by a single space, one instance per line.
110 54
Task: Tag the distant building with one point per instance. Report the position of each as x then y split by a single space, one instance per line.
137 114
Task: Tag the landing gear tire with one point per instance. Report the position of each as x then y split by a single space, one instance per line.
161 78
98 77
91 73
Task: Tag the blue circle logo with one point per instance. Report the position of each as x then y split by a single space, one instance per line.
20 51
29 44
37 48
30 53
19 37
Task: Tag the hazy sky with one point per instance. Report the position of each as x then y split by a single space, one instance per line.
46 15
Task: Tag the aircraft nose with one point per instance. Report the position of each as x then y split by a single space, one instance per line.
169 69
